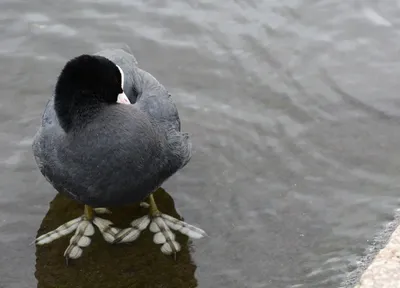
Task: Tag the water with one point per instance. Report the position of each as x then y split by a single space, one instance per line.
292 105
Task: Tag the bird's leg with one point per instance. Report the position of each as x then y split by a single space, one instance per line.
160 224
83 227
88 213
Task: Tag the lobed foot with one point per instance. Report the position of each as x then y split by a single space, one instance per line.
84 229
161 225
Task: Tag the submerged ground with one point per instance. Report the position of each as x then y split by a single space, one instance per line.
140 264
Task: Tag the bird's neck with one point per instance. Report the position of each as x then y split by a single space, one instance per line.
74 111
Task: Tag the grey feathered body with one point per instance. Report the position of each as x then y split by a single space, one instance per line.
124 153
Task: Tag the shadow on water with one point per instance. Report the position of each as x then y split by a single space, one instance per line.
139 264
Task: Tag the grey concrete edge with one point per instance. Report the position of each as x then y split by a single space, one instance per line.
378 243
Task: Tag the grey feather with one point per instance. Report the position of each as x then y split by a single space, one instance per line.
124 153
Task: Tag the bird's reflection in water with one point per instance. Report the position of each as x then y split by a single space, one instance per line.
102 265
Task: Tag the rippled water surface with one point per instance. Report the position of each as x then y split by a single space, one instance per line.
293 108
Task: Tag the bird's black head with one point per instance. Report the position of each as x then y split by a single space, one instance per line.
85 82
